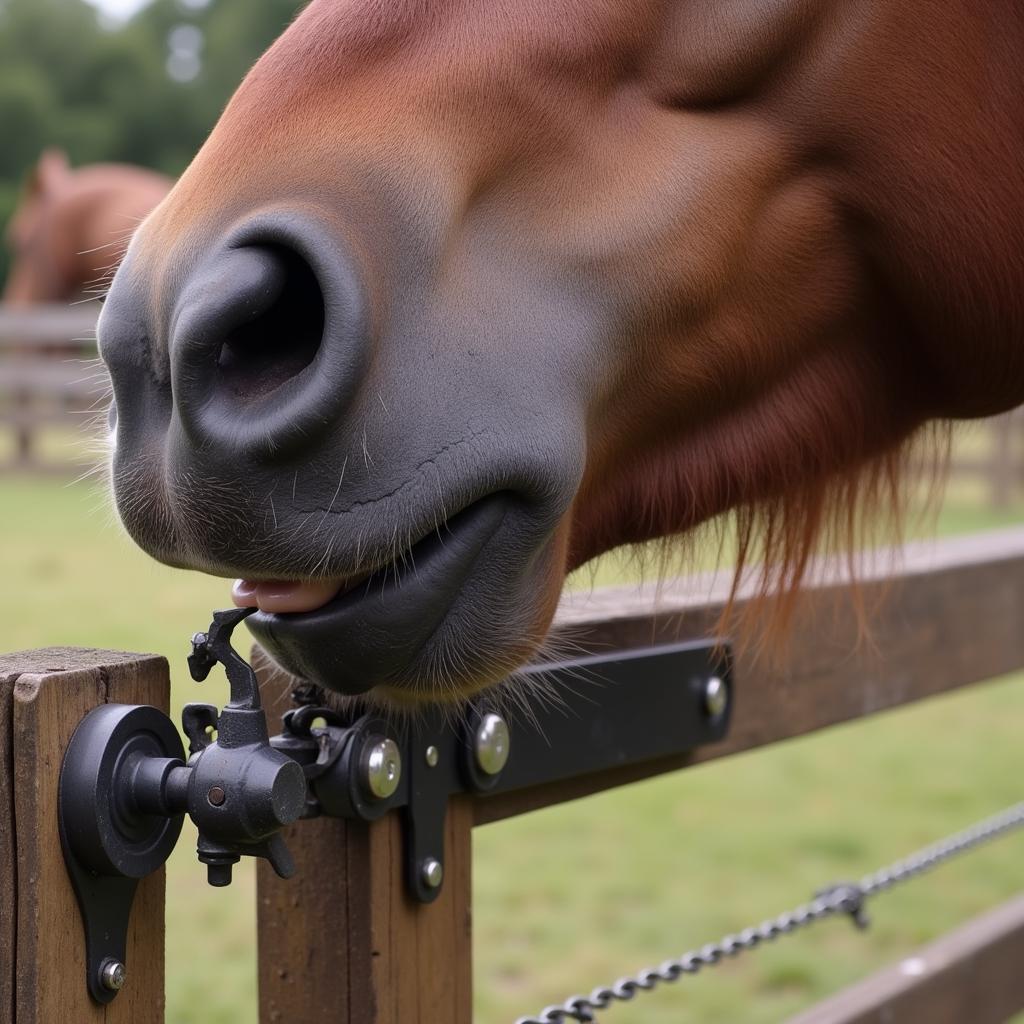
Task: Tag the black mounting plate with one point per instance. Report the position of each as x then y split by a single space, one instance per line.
590 714
107 848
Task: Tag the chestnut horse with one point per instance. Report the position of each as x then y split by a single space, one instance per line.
458 296
72 227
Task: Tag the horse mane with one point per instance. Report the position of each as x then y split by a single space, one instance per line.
773 547
853 517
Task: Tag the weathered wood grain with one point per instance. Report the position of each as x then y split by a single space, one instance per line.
43 696
341 943
970 976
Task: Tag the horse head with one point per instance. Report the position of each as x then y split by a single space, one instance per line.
457 297
38 268
72 226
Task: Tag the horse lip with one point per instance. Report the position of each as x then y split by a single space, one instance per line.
368 634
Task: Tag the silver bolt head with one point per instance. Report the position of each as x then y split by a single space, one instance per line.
383 768
716 696
432 873
492 744
113 975
432 755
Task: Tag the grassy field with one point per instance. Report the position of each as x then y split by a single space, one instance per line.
577 895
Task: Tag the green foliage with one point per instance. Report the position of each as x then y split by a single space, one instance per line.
105 93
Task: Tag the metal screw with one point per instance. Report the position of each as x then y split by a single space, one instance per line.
492 744
216 796
113 975
432 873
432 756
383 768
716 696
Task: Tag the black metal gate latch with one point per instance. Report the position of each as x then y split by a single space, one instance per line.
126 783
125 786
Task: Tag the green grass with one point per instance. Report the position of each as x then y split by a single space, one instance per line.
578 895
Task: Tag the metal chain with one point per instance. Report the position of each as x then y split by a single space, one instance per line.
842 898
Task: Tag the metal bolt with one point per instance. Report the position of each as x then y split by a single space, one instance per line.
716 696
216 796
432 873
383 768
432 756
113 975
218 867
492 744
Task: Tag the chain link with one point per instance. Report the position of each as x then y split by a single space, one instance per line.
843 898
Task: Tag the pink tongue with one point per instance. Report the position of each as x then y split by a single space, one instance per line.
284 595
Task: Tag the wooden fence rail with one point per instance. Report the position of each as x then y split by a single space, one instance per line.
343 944
970 976
45 327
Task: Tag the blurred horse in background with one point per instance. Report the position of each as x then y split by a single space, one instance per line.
67 236
71 227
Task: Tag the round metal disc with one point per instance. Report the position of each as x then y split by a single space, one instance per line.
103 831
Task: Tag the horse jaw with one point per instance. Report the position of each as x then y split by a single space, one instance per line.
616 287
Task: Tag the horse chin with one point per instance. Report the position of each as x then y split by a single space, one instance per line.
415 649
445 619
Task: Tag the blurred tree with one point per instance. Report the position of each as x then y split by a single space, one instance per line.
147 91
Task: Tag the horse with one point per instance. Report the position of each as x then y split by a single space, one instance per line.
457 297
71 227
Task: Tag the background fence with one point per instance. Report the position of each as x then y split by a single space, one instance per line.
51 385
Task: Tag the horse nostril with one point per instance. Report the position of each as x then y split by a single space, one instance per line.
268 340
282 332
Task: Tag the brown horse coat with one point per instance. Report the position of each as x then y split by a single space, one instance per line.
71 227
458 296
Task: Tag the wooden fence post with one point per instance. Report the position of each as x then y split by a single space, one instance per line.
341 943
1001 470
43 696
21 402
